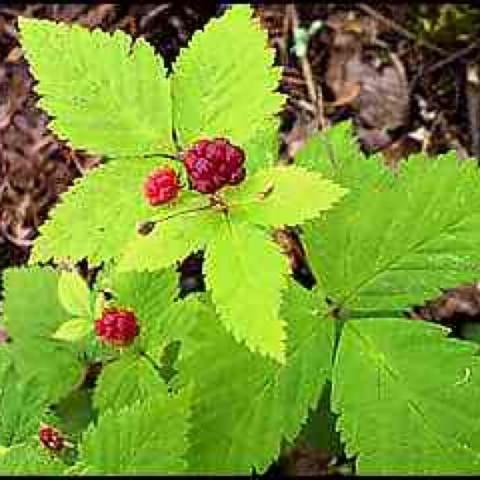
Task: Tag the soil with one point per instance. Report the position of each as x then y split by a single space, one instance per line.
406 79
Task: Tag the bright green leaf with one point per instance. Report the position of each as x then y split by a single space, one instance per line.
408 398
73 330
262 150
33 313
246 404
22 407
170 241
400 243
106 94
153 296
283 195
148 437
216 95
29 459
74 294
125 381
246 273
107 206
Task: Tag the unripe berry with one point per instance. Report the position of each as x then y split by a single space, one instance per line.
162 186
212 164
117 326
51 438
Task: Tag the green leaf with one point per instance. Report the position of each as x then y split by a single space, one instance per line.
170 241
106 94
283 195
125 381
246 273
319 429
262 150
29 459
22 408
162 317
148 437
408 398
336 154
216 95
74 294
74 413
108 205
33 313
73 330
391 245
246 404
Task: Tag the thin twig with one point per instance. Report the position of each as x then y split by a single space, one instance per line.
147 155
473 104
442 63
314 93
398 28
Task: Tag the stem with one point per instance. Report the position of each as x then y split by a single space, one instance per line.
177 214
154 364
148 155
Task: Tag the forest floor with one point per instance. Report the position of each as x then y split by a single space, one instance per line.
406 74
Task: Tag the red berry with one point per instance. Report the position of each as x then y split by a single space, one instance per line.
162 186
117 326
51 438
212 164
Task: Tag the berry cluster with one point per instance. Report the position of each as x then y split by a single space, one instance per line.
117 326
51 438
162 186
212 164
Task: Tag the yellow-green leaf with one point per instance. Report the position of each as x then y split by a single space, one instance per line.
73 330
74 294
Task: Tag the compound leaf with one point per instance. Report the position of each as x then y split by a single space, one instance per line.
106 94
216 95
408 398
245 404
246 272
147 437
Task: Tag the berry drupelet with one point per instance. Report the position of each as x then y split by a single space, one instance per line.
117 326
162 186
51 438
212 164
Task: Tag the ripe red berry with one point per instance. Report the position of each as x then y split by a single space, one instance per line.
117 326
212 164
51 438
162 186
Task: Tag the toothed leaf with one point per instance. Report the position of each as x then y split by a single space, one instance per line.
284 195
245 404
101 212
107 94
246 273
216 95
406 395
147 437
32 315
